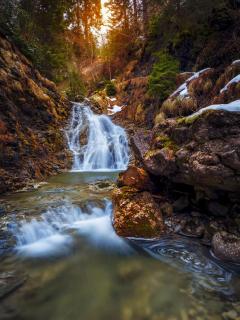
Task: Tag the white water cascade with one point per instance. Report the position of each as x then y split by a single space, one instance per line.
51 233
106 148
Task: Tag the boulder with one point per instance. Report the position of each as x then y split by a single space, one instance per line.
136 214
217 209
99 103
137 178
207 157
226 247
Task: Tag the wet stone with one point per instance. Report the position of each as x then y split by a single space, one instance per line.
10 282
230 315
2 211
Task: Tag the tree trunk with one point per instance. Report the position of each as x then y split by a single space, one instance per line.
135 12
145 15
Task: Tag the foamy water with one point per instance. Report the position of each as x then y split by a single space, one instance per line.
51 233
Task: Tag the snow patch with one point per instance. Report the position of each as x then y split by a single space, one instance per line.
230 107
183 89
236 62
113 99
114 109
234 80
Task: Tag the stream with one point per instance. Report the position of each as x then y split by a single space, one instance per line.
61 259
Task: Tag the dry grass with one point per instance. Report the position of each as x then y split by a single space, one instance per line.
207 87
160 118
179 107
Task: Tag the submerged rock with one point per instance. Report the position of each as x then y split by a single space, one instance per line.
136 214
10 282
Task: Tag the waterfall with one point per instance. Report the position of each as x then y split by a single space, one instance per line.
105 147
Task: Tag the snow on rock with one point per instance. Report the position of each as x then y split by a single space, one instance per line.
112 99
236 62
114 109
183 89
234 80
231 107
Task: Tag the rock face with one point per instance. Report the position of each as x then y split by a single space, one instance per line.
136 214
139 106
194 163
32 114
201 89
204 153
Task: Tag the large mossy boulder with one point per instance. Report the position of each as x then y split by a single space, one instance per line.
99 103
202 153
136 214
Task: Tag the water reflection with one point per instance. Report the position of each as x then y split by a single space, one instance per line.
98 275
189 256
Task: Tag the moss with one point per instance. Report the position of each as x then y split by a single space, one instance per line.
167 142
110 89
162 79
191 119
188 120
151 153
77 90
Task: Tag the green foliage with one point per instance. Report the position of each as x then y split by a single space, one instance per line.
162 79
77 89
167 142
194 31
187 120
52 34
110 89
37 28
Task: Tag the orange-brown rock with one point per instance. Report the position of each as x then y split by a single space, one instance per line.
32 115
137 178
136 214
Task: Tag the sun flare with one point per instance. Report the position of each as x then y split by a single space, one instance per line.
106 14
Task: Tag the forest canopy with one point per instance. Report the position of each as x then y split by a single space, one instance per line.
61 37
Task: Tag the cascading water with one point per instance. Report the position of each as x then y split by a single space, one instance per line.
105 149
49 235
107 145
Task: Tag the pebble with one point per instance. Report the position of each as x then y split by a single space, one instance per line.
230 315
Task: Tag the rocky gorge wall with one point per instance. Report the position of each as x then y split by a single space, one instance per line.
32 115
185 178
